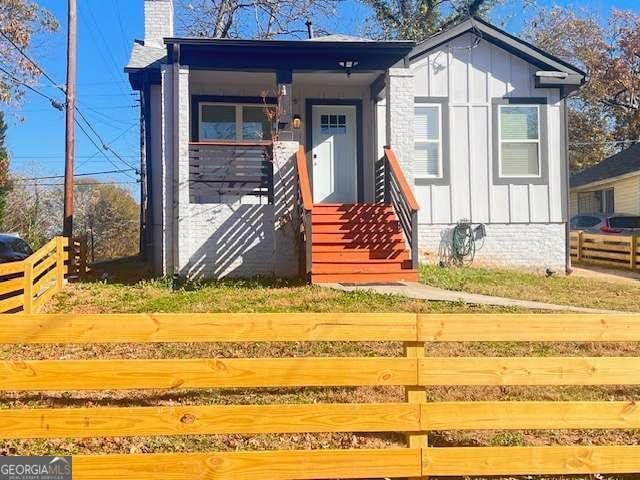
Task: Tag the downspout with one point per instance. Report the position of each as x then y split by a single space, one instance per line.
143 187
149 220
565 120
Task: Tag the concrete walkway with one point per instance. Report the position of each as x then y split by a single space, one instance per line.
425 292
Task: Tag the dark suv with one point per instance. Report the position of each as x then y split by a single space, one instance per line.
13 248
607 223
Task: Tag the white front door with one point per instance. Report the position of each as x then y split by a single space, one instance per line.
334 154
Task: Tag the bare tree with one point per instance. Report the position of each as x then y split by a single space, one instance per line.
263 19
21 21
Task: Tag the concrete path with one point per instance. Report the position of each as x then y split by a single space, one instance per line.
607 274
425 292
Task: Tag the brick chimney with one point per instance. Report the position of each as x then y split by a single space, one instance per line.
158 21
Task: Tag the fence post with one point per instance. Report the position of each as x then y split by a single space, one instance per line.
634 251
82 271
579 255
28 286
59 263
416 395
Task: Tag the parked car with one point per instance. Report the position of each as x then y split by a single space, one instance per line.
13 248
606 223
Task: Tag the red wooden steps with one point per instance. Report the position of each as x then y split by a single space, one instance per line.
358 243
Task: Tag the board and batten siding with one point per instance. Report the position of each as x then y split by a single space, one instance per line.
471 73
626 194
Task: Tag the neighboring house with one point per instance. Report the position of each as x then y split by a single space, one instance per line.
475 117
613 185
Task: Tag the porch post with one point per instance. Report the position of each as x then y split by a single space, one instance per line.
284 80
285 192
167 169
400 132
181 168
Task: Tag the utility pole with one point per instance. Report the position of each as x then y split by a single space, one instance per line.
67 227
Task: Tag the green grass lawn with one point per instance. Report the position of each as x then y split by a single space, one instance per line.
563 290
237 296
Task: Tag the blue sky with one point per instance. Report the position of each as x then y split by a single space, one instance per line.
106 30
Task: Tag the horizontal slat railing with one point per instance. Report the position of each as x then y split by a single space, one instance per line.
617 251
26 285
222 170
414 371
392 186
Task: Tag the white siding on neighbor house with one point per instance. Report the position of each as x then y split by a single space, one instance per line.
626 194
471 74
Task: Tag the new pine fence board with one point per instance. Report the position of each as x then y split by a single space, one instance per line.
63 375
266 465
529 371
534 415
530 460
207 420
213 327
523 327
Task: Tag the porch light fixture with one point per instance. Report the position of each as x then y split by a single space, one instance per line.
348 65
297 121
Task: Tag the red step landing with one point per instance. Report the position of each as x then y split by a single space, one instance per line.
361 243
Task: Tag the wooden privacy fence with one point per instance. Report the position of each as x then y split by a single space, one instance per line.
415 371
618 251
28 284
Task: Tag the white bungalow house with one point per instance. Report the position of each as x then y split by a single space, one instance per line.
266 157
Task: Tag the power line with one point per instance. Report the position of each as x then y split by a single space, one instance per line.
54 103
59 105
35 64
38 184
86 174
99 148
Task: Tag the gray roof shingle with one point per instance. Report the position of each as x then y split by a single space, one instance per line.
626 161
143 56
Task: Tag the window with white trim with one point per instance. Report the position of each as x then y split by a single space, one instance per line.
428 140
519 135
234 122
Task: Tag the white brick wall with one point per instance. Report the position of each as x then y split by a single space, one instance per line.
158 21
285 189
533 246
399 114
233 239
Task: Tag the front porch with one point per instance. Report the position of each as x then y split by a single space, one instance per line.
236 167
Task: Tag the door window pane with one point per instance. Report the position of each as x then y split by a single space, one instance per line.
218 122
333 124
255 123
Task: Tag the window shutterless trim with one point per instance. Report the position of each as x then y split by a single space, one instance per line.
445 168
543 150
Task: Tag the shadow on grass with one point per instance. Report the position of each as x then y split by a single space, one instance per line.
133 270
